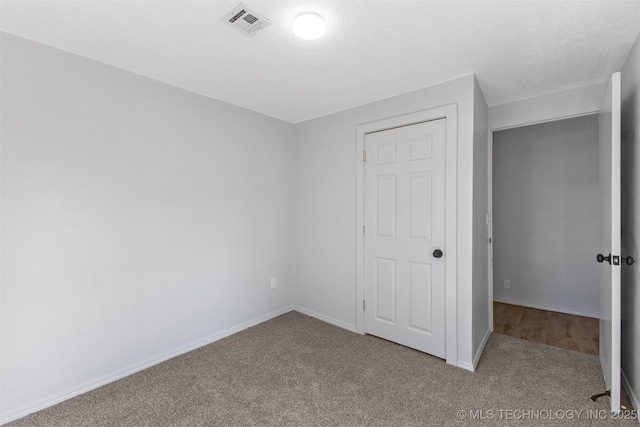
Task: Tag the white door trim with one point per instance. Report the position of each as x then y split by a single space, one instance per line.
450 113
490 226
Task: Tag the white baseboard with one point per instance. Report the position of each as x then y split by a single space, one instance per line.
466 366
70 393
335 322
565 310
635 399
480 349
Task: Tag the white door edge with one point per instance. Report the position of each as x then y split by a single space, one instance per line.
450 113
616 241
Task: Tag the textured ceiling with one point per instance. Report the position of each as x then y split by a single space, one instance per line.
372 50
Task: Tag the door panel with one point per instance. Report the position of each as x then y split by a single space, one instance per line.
420 206
386 206
385 291
405 223
609 140
420 275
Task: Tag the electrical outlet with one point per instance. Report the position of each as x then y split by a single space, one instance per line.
274 284
507 284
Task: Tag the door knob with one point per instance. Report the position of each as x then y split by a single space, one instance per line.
624 260
437 253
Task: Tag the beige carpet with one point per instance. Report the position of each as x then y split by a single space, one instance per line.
298 371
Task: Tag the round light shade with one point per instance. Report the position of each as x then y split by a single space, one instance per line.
309 26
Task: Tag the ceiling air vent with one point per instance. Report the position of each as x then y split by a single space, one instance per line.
246 20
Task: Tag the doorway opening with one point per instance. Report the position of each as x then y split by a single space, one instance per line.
546 231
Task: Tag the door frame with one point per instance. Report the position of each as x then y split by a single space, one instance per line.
450 114
586 112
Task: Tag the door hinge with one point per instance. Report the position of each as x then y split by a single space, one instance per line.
364 230
364 156
363 305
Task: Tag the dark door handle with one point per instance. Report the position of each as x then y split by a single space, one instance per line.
624 260
437 253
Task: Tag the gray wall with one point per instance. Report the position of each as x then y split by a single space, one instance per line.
138 221
481 321
546 215
631 223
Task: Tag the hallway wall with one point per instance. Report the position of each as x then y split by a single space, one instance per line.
546 215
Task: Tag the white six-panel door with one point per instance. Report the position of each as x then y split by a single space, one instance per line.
404 221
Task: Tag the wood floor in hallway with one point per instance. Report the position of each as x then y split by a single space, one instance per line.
547 327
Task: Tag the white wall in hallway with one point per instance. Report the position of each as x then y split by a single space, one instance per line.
546 218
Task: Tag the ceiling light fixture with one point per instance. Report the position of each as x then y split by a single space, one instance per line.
309 26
